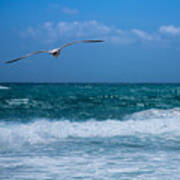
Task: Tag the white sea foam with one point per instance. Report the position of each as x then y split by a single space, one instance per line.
45 131
21 101
155 114
3 87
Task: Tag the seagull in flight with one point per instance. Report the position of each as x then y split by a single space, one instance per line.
54 52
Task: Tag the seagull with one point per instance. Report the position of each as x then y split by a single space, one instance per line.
54 52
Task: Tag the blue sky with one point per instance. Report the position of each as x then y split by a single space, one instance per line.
142 40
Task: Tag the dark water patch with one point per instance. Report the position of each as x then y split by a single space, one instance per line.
80 102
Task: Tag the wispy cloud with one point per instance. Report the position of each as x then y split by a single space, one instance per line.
70 11
143 35
52 32
56 7
170 30
80 29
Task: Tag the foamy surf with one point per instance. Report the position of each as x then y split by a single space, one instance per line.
155 114
4 87
17 102
44 131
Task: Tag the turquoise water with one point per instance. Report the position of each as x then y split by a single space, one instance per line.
89 131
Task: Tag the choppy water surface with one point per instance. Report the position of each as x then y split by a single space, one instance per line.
89 131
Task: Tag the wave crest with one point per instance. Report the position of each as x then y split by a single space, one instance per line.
3 87
43 131
155 114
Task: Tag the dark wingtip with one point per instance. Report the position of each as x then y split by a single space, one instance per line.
98 40
8 62
94 41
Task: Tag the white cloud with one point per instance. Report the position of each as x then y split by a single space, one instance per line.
142 34
70 11
80 29
77 30
58 8
170 30
50 32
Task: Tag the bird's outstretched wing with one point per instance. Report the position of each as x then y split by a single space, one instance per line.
81 41
25 56
52 51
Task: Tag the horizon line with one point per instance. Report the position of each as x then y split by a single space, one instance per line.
100 82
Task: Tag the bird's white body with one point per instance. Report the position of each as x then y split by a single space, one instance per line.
55 52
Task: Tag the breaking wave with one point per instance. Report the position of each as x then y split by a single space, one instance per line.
155 114
163 123
4 87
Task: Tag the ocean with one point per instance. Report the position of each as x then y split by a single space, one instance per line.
89 131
